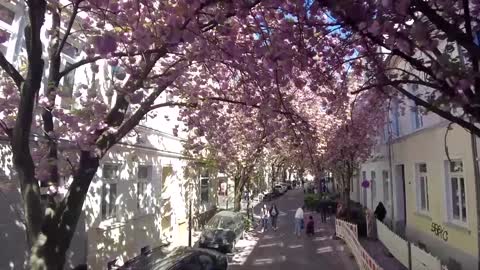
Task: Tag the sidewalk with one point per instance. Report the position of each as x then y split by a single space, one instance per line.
381 255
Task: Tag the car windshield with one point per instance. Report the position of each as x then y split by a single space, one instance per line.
221 222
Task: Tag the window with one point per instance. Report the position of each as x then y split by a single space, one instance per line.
144 176
456 192
7 17
417 118
477 37
386 194
204 186
69 54
395 116
109 190
422 187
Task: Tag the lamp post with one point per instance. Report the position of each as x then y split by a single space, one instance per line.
190 188
190 223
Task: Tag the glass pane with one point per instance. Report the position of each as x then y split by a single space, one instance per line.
104 201
112 199
204 173
464 203
426 193
423 202
69 50
143 172
422 167
455 199
205 183
456 166
6 15
372 174
5 34
364 175
68 83
109 171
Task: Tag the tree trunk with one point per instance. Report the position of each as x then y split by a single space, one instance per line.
50 248
237 201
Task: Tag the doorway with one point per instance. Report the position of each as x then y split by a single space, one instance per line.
400 202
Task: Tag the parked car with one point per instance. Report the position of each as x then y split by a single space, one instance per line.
279 188
181 258
289 185
283 187
222 231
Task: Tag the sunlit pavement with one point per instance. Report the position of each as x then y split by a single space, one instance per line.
282 250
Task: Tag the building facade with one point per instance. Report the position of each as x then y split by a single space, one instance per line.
423 170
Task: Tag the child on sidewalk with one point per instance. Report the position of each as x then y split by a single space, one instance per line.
310 230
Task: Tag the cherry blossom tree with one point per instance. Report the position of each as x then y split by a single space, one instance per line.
156 44
251 75
431 44
351 142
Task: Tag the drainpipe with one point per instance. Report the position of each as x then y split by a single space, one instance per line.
390 165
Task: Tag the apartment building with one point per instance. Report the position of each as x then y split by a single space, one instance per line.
142 190
425 175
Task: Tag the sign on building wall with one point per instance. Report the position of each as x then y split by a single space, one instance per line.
439 231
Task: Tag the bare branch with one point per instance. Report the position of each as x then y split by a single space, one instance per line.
11 71
395 83
447 115
451 30
449 127
171 104
69 26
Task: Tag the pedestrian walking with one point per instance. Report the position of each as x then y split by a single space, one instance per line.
323 204
310 230
274 216
380 212
299 221
264 215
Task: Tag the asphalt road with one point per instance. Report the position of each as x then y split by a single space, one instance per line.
282 250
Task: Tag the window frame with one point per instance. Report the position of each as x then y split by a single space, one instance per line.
449 194
109 210
142 201
204 187
418 187
386 187
67 102
417 118
12 29
373 187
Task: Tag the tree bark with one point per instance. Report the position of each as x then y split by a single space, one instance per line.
49 251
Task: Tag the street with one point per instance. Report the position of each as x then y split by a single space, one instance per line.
282 250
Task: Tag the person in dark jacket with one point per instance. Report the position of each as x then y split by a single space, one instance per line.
274 216
323 205
380 212
310 230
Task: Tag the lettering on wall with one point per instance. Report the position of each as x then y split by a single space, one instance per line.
439 231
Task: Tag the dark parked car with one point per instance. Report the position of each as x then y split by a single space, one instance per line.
222 231
289 185
181 258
